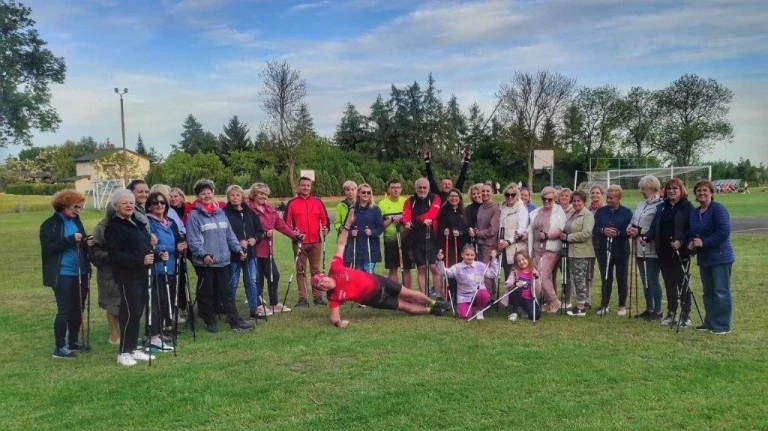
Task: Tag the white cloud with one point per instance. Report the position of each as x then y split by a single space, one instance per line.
307 6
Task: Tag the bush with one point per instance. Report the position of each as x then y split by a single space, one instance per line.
39 189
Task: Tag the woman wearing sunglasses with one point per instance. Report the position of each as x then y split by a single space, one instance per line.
546 224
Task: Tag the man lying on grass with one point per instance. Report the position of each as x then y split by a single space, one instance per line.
346 284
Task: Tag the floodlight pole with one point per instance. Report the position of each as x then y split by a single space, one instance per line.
122 126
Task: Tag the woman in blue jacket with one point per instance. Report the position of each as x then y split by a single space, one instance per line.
366 231
65 258
709 231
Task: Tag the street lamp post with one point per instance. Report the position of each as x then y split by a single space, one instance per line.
122 126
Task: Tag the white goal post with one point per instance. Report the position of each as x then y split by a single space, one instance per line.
102 190
628 178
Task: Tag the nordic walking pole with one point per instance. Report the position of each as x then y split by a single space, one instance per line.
400 254
295 262
499 237
322 238
168 297
685 287
426 260
81 299
149 310
354 252
564 270
493 303
631 269
535 296
609 246
176 309
445 279
368 245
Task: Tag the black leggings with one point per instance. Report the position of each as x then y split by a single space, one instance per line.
620 263
133 300
673 278
213 286
264 274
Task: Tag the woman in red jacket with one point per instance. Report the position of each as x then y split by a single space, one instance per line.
270 221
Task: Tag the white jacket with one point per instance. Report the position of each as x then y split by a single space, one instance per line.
514 220
556 223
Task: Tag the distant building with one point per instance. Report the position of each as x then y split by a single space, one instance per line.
86 172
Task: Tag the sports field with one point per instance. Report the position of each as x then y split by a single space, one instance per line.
389 370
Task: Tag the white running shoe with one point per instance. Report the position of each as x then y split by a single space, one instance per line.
480 316
280 308
141 356
621 312
260 311
512 317
603 311
126 360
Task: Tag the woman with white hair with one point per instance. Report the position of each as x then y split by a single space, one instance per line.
546 224
645 252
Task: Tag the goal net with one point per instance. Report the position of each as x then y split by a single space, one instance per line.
102 190
628 178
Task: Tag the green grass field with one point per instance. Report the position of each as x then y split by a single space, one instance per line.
389 370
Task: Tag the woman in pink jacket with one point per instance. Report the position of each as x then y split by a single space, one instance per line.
270 221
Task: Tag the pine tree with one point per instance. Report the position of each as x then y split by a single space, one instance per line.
235 136
194 139
305 126
351 129
140 149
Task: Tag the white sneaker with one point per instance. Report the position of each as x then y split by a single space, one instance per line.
280 308
603 311
141 356
512 317
480 316
159 345
565 306
260 311
621 312
126 360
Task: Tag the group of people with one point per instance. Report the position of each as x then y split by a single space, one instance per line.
141 247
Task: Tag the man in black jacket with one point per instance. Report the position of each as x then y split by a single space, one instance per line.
446 184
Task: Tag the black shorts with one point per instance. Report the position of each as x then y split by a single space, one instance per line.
392 256
386 297
418 250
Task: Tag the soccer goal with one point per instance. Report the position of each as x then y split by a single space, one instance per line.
628 178
102 190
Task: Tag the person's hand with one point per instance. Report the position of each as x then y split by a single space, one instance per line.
675 244
368 231
243 255
426 155
324 230
90 241
152 239
642 240
164 256
472 232
611 232
181 246
467 155
524 236
251 241
428 222
269 233
456 233
77 236
697 242
632 231
408 225
446 232
542 235
520 284
208 260
343 324
503 244
494 253
149 259
535 273
440 255
563 236
243 244
353 232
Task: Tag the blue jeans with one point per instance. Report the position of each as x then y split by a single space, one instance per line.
651 284
718 305
366 266
249 281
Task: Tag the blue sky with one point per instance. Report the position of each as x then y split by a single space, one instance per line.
204 56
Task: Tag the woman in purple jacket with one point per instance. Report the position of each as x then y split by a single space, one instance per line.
709 231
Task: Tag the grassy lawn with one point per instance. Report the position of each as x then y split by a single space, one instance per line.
389 370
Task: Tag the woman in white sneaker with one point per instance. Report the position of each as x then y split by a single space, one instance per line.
129 246
578 236
546 225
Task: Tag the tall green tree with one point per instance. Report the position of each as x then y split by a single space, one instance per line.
381 130
599 112
305 125
476 129
351 130
27 69
140 148
695 117
235 136
639 114
195 139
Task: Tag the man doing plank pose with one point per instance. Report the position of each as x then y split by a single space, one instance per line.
344 284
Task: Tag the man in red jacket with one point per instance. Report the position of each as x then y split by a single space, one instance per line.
307 216
346 284
420 215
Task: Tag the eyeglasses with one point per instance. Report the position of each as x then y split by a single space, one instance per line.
453 196
510 195
77 207
159 203
547 199
364 192
673 188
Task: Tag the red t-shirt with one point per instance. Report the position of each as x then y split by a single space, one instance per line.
351 285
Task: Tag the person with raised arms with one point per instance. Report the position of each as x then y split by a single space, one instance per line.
344 284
